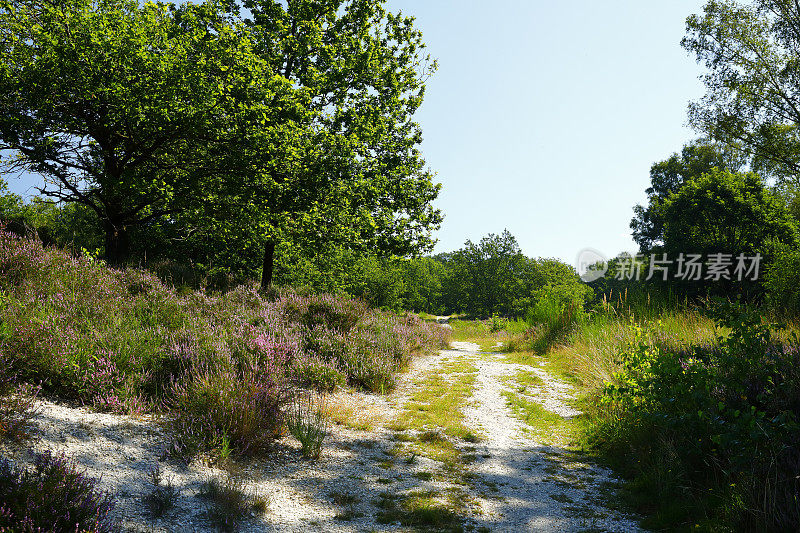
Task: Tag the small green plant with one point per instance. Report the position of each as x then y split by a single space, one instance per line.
497 323
230 501
307 421
162 496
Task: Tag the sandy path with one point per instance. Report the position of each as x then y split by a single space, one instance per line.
519 485
522 484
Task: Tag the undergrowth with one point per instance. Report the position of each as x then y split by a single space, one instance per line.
222 367
699 409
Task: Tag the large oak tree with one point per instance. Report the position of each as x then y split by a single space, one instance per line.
125 108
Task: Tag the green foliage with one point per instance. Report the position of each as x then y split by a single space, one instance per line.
750 50
667 178
556 311
221 366
780 281
123 107
730 407
723 212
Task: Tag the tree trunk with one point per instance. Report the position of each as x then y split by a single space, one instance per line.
117 244
269 265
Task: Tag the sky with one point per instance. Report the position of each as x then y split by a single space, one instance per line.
545 117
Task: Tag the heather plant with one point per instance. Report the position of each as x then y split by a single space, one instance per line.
313 373
324 309
52 496
240 408
17 402
220 366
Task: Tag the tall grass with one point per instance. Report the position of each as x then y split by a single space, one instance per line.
699 408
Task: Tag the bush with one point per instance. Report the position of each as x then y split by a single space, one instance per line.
316 374
781 281
215 408
732 410
556 311
330 311
53 496
163 494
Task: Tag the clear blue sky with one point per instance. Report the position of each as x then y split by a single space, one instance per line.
544 117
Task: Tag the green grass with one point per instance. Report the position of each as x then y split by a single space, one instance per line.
421 509
589 355
433 414
439 399
230 502
546 426
480 332
477 332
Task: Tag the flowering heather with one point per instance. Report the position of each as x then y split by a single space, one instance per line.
237 410
16 401
53 496
221 366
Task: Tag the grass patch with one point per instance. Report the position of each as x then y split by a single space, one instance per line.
230 502
420 510
163 494
344 498
307 422
438 401
344 409
435 411
547 427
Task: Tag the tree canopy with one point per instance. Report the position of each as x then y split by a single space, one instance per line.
668 177
752 52
230 126
124 107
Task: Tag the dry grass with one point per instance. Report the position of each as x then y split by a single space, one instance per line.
589 355
352 410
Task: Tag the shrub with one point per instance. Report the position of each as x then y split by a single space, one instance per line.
730 407
311 372
552 321
780 280
53 496
324 309
215 406
122 341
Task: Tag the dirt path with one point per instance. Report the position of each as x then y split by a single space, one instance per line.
372 471
537 486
